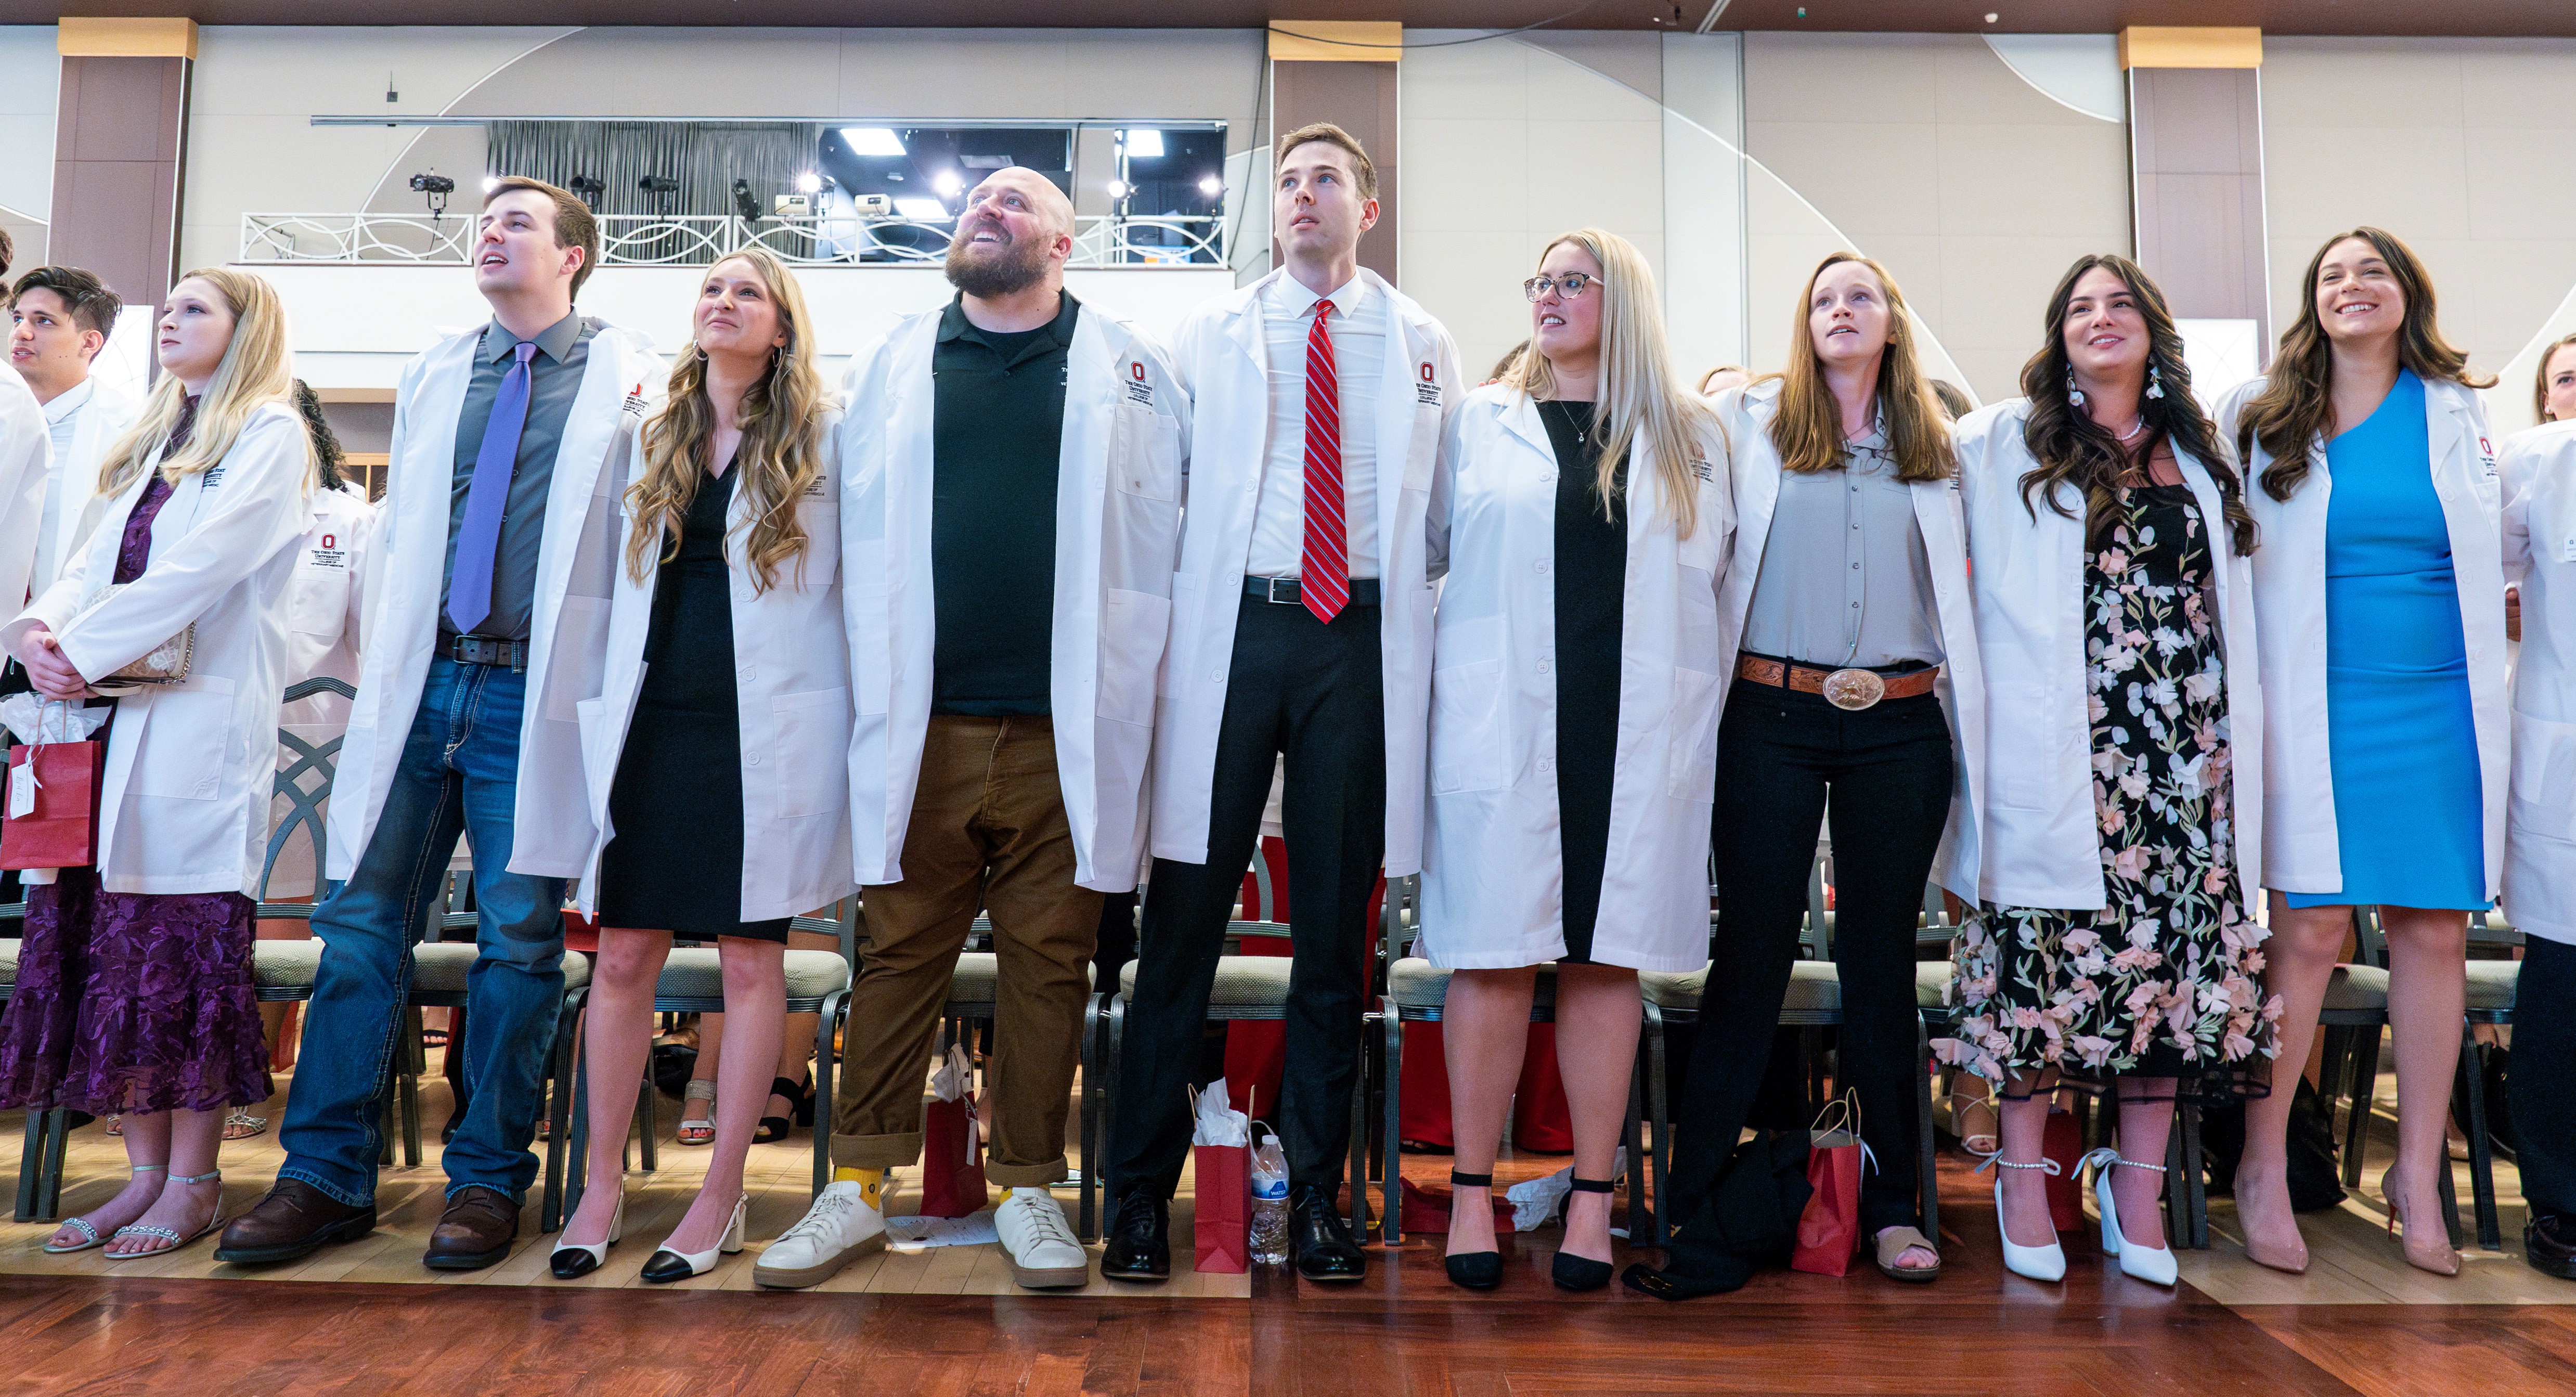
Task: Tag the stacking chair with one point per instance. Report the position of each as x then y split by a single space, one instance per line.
2492 988
1418 992
692 982
1247 988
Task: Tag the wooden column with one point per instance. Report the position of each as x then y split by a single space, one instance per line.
120 146
2196 166
1344 72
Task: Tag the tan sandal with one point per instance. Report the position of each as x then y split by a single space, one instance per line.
1894 1243
697 1132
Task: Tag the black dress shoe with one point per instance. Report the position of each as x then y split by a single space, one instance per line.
1139 1246
1320 1239
2549 1244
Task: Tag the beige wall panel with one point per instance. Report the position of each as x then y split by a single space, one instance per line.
1625 57
1973 187
1484 168
1602 174
2458 149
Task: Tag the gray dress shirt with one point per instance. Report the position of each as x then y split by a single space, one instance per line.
1844 579
563 353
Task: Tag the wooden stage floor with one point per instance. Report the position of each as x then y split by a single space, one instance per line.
369 1320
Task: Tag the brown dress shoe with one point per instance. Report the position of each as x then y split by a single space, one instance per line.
474 1232
294 1220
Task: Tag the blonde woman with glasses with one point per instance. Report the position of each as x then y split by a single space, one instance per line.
716 751
134 981
1574 689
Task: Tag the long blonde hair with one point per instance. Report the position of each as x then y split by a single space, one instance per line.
1808 430
781 452
1639 398
254 372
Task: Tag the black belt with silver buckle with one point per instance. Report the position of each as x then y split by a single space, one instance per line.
484 650
1283 590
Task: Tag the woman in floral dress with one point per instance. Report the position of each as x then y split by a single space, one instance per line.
2113 614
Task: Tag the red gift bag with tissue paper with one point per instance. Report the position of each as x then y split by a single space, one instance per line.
52 806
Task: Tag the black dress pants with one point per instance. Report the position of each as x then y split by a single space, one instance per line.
2544 1062
1316 694
1889 770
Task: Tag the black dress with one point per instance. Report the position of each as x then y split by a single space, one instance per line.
675 861
1591 583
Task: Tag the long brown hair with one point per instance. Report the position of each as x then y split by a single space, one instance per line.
1640 400
1808 429
2074 450
2540 379
781 452
2296 405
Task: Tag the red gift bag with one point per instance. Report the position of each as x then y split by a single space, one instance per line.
1829 1231
952 1147
58 827
1425 1211
1223 1190
2063 1142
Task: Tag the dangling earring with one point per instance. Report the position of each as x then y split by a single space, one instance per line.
701 349
2074 395
2155 380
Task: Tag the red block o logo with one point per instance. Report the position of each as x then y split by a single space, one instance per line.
1136 368
330 540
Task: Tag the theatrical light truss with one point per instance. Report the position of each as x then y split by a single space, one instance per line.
877 232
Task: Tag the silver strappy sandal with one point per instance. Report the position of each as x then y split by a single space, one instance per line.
171 1239
89 1232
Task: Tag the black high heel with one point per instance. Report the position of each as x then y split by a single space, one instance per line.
1572 1272
1474 1270
773 1129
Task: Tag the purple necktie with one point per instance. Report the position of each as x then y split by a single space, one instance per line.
478 539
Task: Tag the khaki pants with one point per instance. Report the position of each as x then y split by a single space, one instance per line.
988 831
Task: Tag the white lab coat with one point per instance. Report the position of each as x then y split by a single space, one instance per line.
2039 842
2300 852
1493 867
1222 352
26 455
2540 558
1126 439
324 604
1747 414
791 667
73 477
183 805
552 835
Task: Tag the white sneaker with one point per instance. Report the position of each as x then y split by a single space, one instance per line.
837 1230
1044 1254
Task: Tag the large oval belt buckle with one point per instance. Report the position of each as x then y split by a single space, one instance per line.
1854 689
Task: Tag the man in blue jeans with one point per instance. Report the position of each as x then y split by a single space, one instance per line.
489 626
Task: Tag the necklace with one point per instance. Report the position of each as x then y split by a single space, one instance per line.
2132 434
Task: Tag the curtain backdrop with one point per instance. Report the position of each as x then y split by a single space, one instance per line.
705 157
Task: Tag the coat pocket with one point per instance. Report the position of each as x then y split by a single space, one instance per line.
2544 777
1693 775
1131 651
317 601
187 741
813 748
1469 749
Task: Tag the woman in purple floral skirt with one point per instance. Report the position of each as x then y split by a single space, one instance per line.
134 989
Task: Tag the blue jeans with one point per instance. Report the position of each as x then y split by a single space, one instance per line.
459 772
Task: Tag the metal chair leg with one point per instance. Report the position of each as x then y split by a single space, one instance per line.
1659 1164
1113 1042
28 1153
578 1171
647 1118
551 1213
1390 1198
2365 1085
414 1061
836 1010
2472 1087
49 1182
1633 1130
2190 1177
1927 1185
1086 1213
1358 1163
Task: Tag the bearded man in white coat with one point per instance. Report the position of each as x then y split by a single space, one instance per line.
59 321
1301 629
1011 469
495 569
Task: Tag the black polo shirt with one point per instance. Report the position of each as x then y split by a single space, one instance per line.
997 427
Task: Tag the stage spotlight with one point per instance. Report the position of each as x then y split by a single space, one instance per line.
744 203
590 188
947 182
658 184
809 183
1211 186
1118 189
434 188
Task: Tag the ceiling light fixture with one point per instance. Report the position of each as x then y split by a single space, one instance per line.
872 140
1144 143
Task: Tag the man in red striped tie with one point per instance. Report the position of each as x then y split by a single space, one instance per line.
1316 524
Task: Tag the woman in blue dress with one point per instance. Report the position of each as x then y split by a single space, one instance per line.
2379 598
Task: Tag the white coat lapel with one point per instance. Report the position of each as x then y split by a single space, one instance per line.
1406 354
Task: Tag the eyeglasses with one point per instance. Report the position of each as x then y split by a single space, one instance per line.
1570 286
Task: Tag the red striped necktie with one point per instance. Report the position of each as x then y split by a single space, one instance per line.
1324 572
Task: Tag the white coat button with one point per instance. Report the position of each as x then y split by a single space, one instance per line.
1216 676
1543 666
1547 763
1539 566
753 758
743 673
1546 477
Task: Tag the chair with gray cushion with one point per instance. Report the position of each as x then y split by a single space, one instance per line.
692 982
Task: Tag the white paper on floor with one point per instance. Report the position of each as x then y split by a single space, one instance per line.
1534 1201
913 1233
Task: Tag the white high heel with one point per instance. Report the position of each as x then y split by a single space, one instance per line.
2046 1263
573 1260
668 1265
2154 1267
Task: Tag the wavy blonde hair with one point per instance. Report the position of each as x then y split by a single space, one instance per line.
781 452
1640 400
254 372
1808 429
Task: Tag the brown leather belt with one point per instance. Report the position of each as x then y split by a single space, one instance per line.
1849 689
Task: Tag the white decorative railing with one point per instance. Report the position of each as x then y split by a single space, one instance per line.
687 240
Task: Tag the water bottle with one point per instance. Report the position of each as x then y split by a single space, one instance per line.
1270 1222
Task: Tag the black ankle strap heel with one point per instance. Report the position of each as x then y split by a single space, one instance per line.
1475 1270
1580 1273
